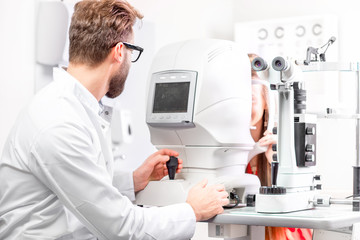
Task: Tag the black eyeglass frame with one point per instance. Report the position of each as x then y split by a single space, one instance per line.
132 47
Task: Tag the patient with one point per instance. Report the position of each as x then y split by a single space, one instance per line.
260 164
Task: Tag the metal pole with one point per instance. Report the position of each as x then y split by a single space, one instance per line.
356 176
357 120
342 201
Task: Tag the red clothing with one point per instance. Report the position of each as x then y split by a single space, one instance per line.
248 169
298 233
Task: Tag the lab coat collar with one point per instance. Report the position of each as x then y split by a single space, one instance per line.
106 112
60 74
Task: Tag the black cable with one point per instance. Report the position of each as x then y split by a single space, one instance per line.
352 196
233 196
326 47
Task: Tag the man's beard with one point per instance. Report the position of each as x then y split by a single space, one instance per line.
117 81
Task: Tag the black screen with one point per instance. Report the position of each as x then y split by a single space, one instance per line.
171 97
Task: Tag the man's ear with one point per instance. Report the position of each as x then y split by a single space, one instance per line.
119 52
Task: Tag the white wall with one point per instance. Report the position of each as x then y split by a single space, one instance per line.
179 20
17 60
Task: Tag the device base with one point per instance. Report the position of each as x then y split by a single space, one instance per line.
289 202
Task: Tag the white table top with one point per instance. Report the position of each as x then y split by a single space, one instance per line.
319 218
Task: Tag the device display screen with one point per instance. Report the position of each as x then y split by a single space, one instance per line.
171 97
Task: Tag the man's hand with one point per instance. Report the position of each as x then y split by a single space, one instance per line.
154 168
207 201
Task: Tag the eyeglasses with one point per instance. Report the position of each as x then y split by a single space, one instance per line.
135 55
136 51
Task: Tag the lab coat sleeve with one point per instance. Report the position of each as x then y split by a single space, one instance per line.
64 159
124 182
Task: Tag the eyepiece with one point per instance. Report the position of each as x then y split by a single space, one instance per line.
259 64
279 64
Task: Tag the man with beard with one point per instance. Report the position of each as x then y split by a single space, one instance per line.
56 173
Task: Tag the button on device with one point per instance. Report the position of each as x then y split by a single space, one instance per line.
310 130
317 177
309 157
310 148
274 130
274 147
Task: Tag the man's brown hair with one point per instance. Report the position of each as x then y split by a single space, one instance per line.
96 26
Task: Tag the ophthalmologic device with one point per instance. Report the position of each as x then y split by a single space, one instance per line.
199 104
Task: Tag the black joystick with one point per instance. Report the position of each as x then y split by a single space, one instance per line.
172 165
274 173
274 189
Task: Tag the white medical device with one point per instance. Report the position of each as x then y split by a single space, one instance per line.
199 104
293 175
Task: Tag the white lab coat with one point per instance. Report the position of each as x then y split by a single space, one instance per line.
56 176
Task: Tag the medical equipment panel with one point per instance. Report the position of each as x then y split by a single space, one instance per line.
171 99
